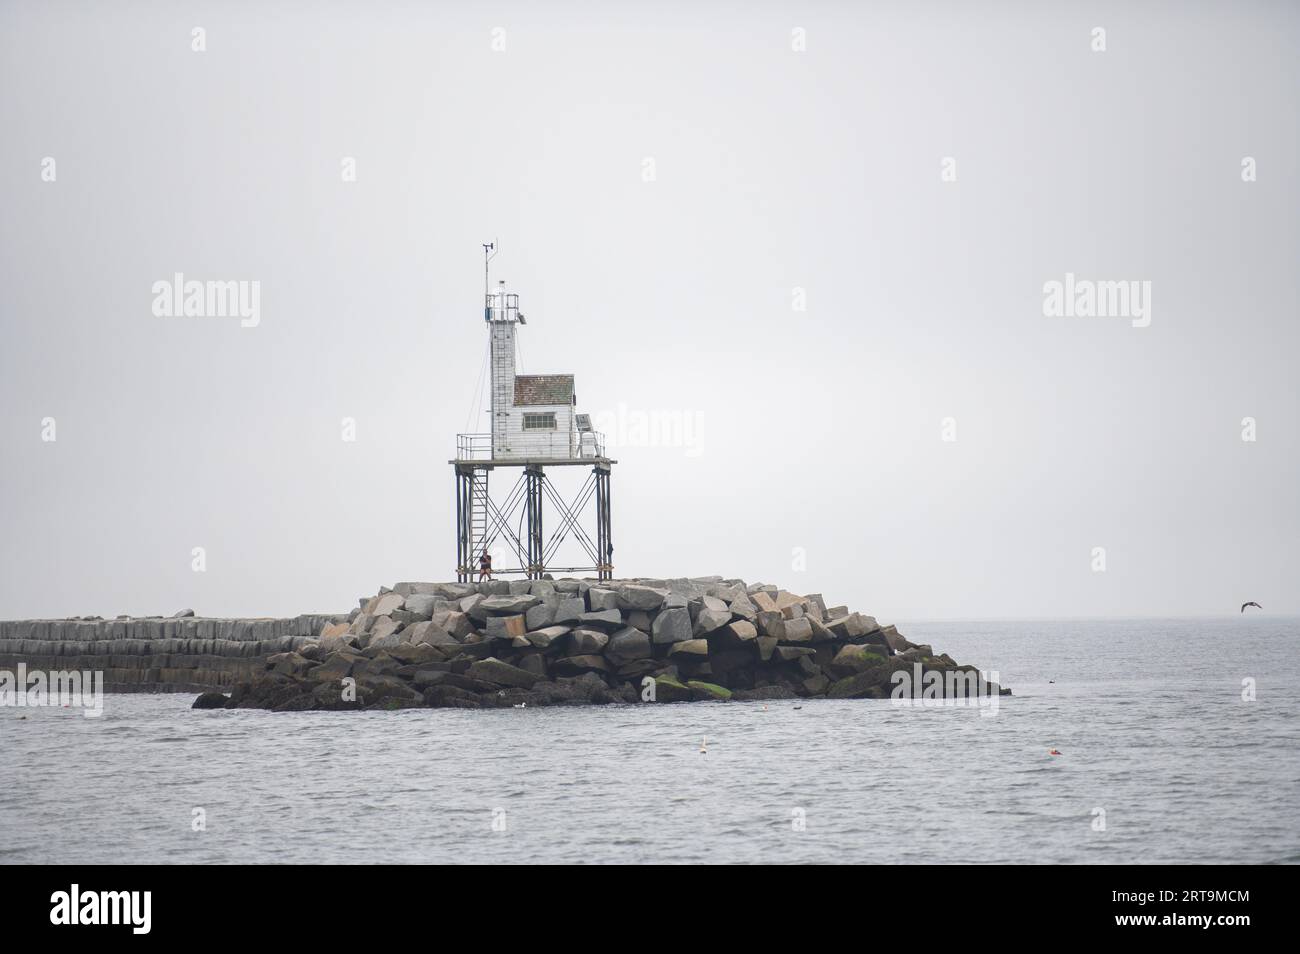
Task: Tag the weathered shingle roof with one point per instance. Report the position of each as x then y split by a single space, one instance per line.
531 389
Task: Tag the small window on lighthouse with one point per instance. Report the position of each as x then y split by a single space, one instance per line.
539 422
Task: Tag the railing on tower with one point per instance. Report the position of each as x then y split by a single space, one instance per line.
591 446
473 446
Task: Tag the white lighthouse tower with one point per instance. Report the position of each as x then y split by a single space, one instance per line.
534 425
532 414
501 312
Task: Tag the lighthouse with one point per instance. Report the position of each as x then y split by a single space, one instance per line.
532 414
534 425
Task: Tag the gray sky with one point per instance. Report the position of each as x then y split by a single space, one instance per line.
773 170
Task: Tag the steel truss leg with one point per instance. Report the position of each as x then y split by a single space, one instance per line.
604 541
464 509
536 559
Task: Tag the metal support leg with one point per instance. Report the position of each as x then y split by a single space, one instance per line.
464 503
604 543
536 559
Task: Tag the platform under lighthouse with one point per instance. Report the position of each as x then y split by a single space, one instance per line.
534 426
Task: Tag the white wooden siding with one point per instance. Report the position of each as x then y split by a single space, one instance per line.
559 443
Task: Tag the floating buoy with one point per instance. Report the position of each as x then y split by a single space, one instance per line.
704 745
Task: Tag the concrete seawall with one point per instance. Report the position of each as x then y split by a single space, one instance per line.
157 654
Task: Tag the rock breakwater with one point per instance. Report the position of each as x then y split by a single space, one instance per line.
548 642
183 653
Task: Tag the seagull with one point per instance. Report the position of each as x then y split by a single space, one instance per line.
1251 603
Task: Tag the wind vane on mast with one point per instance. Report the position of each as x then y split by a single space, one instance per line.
489 253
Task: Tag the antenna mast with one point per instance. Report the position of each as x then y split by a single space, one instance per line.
489 253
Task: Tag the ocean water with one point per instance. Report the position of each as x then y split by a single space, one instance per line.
1148 716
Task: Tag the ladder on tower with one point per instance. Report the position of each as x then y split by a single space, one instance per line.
478 515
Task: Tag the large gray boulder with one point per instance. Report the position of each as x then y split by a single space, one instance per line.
634 597
512 605
420 605
627 645
541 615
820 633
608 619
388 640
453 591
672 625
546 637
739 633
569 610
587 641
770 622
429 633
695 648
708 619
386 604
542 588
851 626
457 623
742 606
601 599
853 659
576 665
796 631
336 641
503 627
894 641
701 603
383 627
500 673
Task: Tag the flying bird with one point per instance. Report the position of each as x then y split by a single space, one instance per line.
1251 603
